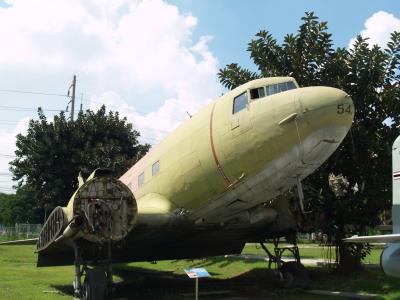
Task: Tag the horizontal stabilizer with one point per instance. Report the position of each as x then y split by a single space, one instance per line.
20 242
385 238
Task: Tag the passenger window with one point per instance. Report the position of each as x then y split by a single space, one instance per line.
239 103
257 93
141 179
155 168
291 85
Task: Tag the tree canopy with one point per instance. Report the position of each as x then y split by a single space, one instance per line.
52 153
371 75
19 208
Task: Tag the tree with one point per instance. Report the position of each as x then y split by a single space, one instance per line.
18 208
371 76
6 200
52 153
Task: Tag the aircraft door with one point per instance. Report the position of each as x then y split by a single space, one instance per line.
240 118
236 146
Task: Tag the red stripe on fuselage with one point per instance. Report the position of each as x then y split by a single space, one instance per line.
219 167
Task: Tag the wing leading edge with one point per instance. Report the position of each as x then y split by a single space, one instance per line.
384 238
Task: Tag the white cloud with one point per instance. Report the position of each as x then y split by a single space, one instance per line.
135 56
378 28
8 147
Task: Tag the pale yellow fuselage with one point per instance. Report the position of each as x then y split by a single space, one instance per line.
211 185
218 164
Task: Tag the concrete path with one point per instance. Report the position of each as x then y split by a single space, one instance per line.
305 261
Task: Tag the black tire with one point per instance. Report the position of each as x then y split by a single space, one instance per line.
294 275
95 284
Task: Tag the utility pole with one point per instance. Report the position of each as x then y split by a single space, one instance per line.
73 86
80 109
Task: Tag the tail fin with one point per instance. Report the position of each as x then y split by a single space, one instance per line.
396 185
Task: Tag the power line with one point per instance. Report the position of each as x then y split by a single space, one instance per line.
141 112
14 108
20 108
13 122
32 92
7 155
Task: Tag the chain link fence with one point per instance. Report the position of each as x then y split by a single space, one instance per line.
19 232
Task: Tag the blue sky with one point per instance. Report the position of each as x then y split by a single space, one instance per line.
233 23
151 60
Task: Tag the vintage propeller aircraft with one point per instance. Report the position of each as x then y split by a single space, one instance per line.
209 187
390 257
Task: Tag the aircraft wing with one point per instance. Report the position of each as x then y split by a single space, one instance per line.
20 242
384 238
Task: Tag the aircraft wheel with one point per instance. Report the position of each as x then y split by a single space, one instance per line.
293 274
95 284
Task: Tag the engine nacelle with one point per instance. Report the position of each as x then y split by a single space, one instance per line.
106 209
101 210
390 260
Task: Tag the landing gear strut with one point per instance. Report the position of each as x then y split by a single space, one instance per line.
291 273
97 282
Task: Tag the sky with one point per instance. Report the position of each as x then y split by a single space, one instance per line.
154 61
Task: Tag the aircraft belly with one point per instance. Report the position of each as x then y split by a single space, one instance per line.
277 177
160 243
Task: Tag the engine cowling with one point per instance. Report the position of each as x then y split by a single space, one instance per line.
390 260
101 210
106 208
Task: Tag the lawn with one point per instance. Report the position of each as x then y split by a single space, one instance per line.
165 280
313 251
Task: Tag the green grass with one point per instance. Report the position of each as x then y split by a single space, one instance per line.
13 237
313 251
20 279
165 280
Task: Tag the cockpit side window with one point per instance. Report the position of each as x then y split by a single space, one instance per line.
239 103
291 85
280 87
272 89
257 93
283 87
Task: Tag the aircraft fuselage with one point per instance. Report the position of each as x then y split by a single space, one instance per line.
241 151
211 185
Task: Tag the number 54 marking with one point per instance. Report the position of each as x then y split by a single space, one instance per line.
343 108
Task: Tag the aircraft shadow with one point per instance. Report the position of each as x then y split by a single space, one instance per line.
141 283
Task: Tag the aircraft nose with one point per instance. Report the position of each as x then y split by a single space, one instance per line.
326 106
325 116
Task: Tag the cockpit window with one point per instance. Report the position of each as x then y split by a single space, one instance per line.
257 93
280 87
239 103
272 89
283 87
291 85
